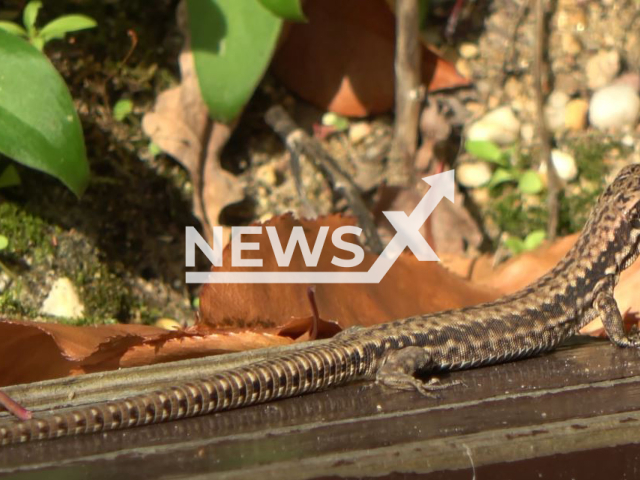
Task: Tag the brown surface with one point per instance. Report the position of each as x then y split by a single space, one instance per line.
542 415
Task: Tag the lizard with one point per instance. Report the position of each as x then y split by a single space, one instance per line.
536 319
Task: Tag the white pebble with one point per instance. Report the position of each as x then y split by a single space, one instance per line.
473 174
359 131
614 107
499 126
468 50
63 300
554 110
565 165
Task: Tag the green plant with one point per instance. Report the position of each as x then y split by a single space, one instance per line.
232 43
122 109
39 126
9 177
532 240
57 28
527 180
4 243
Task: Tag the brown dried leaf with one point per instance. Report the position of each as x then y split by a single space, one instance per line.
41 351
409 288
527 267
180 125
342 59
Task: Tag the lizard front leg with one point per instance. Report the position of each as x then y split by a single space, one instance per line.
607 310
400 367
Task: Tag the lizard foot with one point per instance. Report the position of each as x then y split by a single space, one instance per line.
401 365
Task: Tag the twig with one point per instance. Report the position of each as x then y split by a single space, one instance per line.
14 407
299 143
409 94
543 132
311 295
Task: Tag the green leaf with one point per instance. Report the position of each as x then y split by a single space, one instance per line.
336 121
485 150
4 242
9 177
37 42
534 239
13 28
530 182
122 108
232 43
154 149
59 27
30 14
287 9
501 175
39 126
515 245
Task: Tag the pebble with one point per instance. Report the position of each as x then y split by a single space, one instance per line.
267 174
570 44
499 126
564 163
602 68
468 50
575 114
614 107
528 133
359 131
473 174
463 68
63 300
554 110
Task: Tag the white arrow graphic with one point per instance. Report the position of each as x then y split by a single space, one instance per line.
408 235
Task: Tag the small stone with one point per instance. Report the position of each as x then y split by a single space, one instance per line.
468 50
359 131
63 300
570 44
564 163
631 79
463 68
499 126
473 174
575 114
267 174
602 68
528 133
513 87
628 140
474 108
614 107
554 110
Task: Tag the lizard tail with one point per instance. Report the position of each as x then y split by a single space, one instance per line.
305 371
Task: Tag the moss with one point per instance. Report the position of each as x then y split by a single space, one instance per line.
513 214
29 236
518 214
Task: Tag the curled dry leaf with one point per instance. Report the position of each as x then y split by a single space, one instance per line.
41 351
180 125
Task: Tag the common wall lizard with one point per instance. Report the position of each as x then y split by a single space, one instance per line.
536 319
